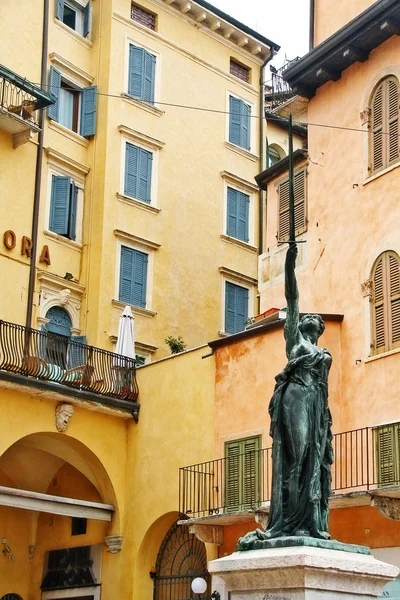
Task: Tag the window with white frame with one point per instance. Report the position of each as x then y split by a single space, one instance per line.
141 73
138 172
74 15
236 307
239 123
237 217
133 276
75 108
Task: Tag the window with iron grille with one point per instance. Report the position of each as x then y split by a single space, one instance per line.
384 126
240 71
143 17
300 220
386 303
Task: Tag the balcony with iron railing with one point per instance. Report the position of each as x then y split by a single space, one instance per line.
278 91
366 461
20 102
54 362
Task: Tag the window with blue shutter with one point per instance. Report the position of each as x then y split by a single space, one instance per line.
74 16
236 307
142 68
239 122
88 111
138 169
63 206
237 223
54 89
133 277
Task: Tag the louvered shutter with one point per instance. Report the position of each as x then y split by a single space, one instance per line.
73 211
88 111
140 278
245 125
230 307
231 221
234 120
86 19
136 63
131 169
392 87
243 217
149 70
394 291
60 9
144 176
76 354
59 207
386 303
385 124
379 320
242 308
54 90
377 129
251 472
387 446
232 476
299 206
126 275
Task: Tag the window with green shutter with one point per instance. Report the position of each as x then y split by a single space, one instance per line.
138 170
385 303
387 440
239 122
300 221
243 474
133 277
142 70
236 307
237 222
63 206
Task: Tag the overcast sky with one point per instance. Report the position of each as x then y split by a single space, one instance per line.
282 21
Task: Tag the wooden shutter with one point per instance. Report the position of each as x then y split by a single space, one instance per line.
144 176
245 125
126 275
385 124
300 223
59 207
88 111
237 222
236 307
251 472
386 303
54 90
131 170
135 70
231 219
72 211
242 474
86 19
133 277
242 307
387 448
234 120
149 70
140 278
232 476
230 307
60 9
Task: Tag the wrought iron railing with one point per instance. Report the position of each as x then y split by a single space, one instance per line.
20 98
279 91
59 359
365 459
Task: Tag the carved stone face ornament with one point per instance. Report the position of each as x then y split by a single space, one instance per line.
63 414
63 296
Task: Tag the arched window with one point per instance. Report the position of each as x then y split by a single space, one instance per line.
386 303
384 140
274 154
11 597
59 321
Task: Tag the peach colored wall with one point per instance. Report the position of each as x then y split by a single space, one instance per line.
331 16
349 226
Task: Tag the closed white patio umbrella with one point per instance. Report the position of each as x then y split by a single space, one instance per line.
126 334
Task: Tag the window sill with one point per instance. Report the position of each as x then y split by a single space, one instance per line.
75 137
382 355
137 310
75 35
60 239
138 203
143 105
241 151
235 242
383 172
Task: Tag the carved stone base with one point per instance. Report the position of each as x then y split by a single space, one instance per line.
114 543
302 573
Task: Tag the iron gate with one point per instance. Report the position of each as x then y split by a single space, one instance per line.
181 558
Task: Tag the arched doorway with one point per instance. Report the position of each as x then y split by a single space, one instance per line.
181 558
11 597
56 346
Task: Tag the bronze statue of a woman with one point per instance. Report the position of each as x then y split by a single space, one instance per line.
300 427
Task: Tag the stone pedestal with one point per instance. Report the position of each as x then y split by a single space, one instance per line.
302 573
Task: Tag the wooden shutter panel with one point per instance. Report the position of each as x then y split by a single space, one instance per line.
126 275
60 9
242 308
245 125
72 211
135 70
243 217
59 207
283 227
385 149
149 70
231 221
88 111
54 89
143 191
392 90
386 303
251 472
140 278
300 223
86 19
379 321
387 445
377 129
131 170
234 120
232 476
394 290
230 307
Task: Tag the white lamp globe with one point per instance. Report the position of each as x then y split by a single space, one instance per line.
199 585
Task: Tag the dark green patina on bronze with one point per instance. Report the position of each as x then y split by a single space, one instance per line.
302 451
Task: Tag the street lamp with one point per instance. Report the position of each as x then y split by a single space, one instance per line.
199 586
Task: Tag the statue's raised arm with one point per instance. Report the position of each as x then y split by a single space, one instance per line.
292 299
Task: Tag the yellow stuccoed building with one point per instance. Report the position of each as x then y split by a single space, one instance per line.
118 190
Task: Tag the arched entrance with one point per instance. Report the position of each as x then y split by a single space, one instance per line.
181 558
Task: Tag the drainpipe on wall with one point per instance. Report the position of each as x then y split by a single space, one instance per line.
38 174
312 23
